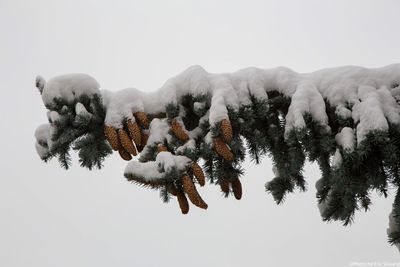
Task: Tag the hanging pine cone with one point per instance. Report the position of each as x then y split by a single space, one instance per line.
161 148
142 118
198 173
222 149
183 202
126 142
178 130
172 189
124 154
224 185
145 137
226 130
134 132
191 191
112 137
237 188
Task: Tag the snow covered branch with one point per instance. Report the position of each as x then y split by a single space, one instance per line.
346 119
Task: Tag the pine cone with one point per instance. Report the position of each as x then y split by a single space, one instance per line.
161 148
222 149
191 191
224 185
112 137
177 129
183 202
226 130
126 142
124 154
198 173
237 188
142 118
172 189
134 132
145 137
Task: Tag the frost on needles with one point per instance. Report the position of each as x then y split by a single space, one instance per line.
200 125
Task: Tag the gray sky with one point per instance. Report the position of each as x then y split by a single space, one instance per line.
52 217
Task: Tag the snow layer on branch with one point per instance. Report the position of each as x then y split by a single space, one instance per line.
369 112
53 116
389 105
167 162
346 139
365 95
80 109
337 159
158 133
69 87
147 171
42 135
341 87
153 171
122 104
189 145
306 100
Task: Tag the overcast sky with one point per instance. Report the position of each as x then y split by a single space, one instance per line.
53 217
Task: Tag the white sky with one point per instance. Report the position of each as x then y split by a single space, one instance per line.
52 217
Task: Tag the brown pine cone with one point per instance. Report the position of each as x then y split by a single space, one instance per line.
224 185
191 191
126 142
134 132
124 154
142 118
112 137
145 137
198 173
172 189
222 149
177 129
161 148
183 202
237 188
226 130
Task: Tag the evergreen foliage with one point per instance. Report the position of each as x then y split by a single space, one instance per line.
259 128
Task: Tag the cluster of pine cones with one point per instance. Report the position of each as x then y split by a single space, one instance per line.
132 138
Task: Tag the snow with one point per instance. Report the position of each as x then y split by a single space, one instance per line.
389 104
369 112
80 109
363 94
42 135
156 170
346 139
159 129
166 161
122 104
337 159
191 145
208 139
158 134
355 92
306 100
198 105
53 116
144 170
40 83
343 112
68 87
